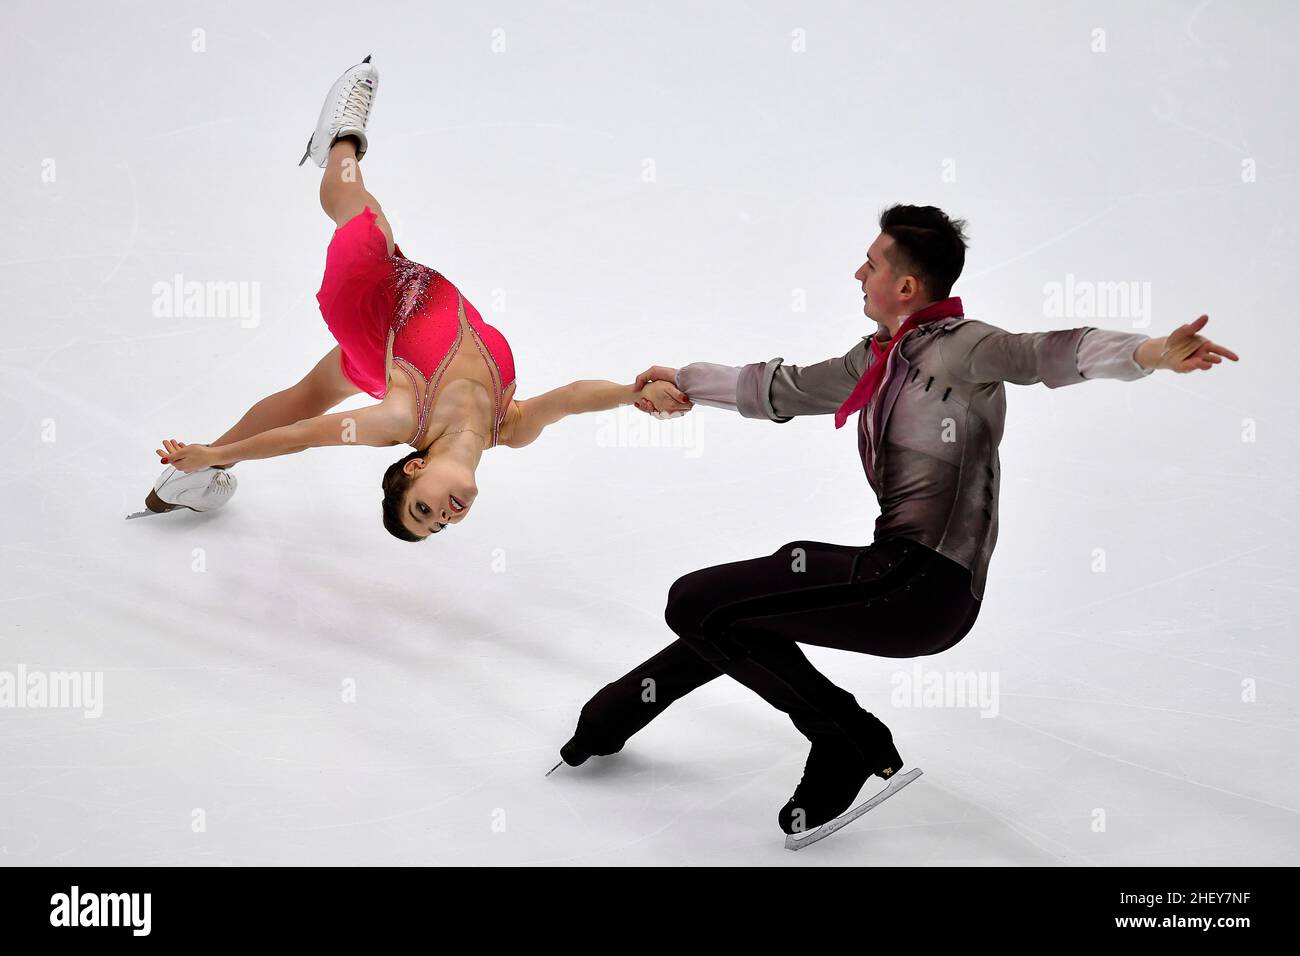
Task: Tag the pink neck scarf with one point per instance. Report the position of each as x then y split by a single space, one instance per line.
866 387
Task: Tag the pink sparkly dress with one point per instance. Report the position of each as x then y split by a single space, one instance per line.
365 293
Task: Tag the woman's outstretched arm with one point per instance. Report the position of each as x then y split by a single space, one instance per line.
528 417
320 390
374 425
282 408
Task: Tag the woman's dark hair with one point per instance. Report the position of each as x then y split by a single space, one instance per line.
927 244
396 483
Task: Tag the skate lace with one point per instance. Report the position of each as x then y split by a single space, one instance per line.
220 484
357 104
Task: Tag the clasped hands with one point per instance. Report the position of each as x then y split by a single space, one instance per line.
658 394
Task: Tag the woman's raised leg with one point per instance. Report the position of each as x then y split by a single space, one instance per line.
343 193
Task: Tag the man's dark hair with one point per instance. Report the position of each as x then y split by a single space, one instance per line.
396 484
927 244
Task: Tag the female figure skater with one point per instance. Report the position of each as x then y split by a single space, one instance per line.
406 336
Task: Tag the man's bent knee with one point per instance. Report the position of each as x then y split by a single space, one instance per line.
688 602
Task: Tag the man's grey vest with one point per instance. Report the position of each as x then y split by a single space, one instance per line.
929 437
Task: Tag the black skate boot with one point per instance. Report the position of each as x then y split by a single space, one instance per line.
837 769
573 754
876 744
579 748
832 777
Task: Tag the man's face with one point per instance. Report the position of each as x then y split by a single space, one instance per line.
886 295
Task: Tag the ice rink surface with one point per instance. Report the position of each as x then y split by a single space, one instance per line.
615 187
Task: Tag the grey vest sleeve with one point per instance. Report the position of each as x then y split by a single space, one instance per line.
774 390
1107 354
779 392
978 352
738 388
708 384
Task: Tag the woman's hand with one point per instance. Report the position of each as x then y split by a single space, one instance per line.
185 457
1182 350
663 396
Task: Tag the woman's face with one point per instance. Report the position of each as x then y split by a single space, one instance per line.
441 493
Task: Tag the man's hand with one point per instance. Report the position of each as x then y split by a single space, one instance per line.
1182 350
184 457
656 373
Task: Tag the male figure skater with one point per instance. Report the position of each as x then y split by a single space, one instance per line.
928 389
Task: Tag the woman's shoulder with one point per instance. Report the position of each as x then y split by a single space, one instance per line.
395 410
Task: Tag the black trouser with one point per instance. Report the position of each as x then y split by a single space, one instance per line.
893 598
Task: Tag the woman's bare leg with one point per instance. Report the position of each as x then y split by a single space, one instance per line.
343 192
320 390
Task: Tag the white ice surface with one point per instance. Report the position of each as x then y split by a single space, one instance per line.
1147 714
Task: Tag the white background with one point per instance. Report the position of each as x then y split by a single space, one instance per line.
1157 697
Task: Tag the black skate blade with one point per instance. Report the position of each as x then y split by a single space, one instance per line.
367 59
555 768
895 783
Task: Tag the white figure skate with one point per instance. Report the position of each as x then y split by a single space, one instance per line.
345 113
204 490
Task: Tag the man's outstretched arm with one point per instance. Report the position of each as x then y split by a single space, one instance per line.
774 390
979 352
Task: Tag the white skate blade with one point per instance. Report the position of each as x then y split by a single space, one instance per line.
144 514
895 783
